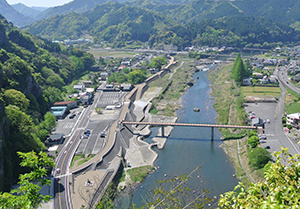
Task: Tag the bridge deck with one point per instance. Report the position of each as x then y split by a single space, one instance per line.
187 124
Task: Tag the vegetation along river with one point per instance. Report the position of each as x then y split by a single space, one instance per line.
188 148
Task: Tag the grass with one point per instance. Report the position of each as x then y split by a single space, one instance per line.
293 108
78 157
140 173
75 158
261 91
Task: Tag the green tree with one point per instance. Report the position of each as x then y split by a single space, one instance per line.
281 188
27 194
136 76
158 62
259 157
253 141
17 98
238 71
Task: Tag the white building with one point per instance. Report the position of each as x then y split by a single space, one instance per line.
293 119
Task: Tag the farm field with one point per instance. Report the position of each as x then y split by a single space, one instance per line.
261 91
117 54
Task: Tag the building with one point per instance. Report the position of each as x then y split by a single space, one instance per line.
293 119
247 81
68 104
257 122
109 87
55 139
104 76
79 87
126 87
86 98
87 84
59 111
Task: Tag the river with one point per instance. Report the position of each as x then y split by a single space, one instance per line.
188 148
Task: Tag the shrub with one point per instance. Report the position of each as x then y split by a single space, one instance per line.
253 141
259 157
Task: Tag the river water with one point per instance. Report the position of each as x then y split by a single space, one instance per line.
188 148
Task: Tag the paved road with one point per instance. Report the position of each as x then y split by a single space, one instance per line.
63 161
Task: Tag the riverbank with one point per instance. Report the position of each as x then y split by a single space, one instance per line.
229 106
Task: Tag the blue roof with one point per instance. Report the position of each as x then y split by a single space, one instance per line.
58 111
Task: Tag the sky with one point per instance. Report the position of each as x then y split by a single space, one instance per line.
39 3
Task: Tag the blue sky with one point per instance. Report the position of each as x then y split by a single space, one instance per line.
39 3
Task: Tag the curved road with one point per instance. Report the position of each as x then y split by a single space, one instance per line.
61 186
283 139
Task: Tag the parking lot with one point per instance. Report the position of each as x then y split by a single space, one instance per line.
110 98
267 111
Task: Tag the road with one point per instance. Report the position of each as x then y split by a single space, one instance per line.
63 161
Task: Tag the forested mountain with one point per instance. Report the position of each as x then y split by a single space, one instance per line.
33 73
13 15
118 23
276 10
25 10
77 6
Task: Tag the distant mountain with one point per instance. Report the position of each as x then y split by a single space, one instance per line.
77 6
13 15
40 8
118 24
25 10
107 22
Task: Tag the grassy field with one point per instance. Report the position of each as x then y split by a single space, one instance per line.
261 91
117 54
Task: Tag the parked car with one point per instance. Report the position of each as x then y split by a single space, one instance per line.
262 137
253 116
267 147
262 141
72 116
85 136
58 170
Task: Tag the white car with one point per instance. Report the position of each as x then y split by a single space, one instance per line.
57 170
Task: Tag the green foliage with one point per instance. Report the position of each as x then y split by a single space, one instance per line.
238 71
140 173
258 157
15 97
27 194
136 76
158 62
279 190
289 126
253 141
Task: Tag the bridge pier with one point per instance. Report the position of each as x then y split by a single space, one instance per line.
212 133
163 131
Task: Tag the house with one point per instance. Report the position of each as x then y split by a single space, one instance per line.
258 75
104 76
296 77
68 104
86 98
55 139
59 111
273 80
109 87
247 81
87 83
126 87
153 70
265 80
79 87
293 119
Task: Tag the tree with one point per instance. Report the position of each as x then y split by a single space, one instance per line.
158 62
27 194
259 157
253 141
17 98
136 76
238 70
281 188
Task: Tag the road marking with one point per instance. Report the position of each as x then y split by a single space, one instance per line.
68 125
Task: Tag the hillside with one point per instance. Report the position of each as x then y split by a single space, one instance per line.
33 73
118 23
13 15
27 11
77 6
